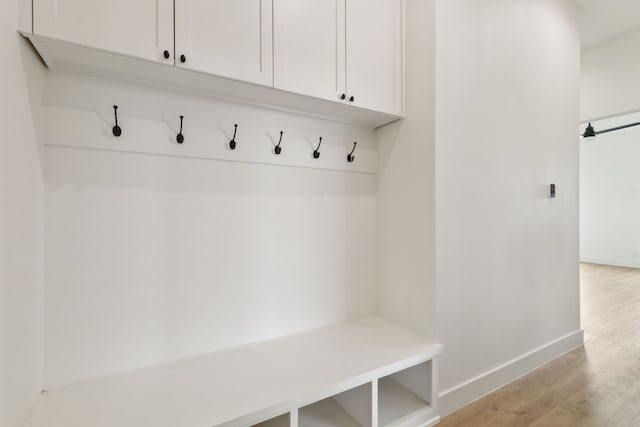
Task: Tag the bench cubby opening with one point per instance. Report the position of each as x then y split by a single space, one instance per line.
407 397
283 420
352 408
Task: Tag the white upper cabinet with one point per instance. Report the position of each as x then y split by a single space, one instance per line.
374 54
348 51
140 28
309 47
229 38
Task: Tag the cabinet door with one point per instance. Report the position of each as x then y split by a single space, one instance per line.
374 54
309 47
140 28
229 38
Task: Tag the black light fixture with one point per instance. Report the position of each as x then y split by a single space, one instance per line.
590 133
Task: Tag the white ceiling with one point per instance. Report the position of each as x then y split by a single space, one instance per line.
602 20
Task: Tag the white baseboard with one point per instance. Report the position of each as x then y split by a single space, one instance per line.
455 398
631 263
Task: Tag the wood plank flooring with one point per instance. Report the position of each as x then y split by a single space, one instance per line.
597 385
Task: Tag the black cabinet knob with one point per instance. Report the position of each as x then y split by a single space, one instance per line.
166 54
343 96
183 59
351 99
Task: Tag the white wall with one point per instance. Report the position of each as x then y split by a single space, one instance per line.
21 224
406 186
153 258
610 78
610 195
507 256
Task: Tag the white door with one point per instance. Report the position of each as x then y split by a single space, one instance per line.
140 28
228 38
309 47
374 54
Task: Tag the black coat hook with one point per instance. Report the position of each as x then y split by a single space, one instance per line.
316 152
117 130
232 143
350 156
180 137
278 149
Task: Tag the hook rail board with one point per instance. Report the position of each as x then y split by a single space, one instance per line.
373 368
90 130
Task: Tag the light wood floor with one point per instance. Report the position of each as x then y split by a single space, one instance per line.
598 385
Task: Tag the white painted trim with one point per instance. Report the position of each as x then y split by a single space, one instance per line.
611 261
25 16
472 390
403 61
432 422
